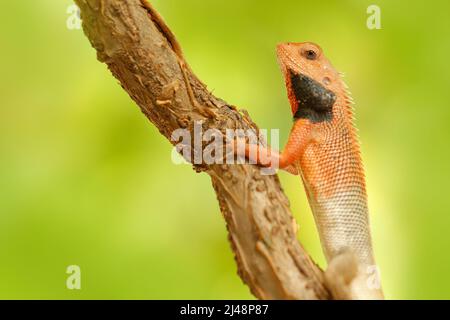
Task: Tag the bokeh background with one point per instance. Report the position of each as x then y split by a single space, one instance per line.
85 179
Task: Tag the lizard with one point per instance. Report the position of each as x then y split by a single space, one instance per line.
323 148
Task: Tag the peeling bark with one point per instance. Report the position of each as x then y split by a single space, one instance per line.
142 53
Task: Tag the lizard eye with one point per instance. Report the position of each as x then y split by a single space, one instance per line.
310 54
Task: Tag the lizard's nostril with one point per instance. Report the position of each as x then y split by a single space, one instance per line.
326 81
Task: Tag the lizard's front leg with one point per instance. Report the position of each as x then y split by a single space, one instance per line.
267 157
264 156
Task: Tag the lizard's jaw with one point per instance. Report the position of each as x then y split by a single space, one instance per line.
309 99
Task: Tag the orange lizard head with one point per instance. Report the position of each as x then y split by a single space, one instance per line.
313 84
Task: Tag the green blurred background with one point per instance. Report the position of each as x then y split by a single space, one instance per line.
85 179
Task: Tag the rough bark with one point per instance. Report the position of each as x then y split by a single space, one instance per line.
143 55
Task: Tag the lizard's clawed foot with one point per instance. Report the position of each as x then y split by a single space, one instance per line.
261 155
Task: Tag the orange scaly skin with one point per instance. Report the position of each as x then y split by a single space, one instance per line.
324 149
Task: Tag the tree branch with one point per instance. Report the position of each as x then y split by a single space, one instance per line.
142 53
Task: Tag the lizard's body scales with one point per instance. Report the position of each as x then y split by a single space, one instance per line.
333 176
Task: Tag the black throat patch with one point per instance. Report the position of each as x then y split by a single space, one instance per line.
315 102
